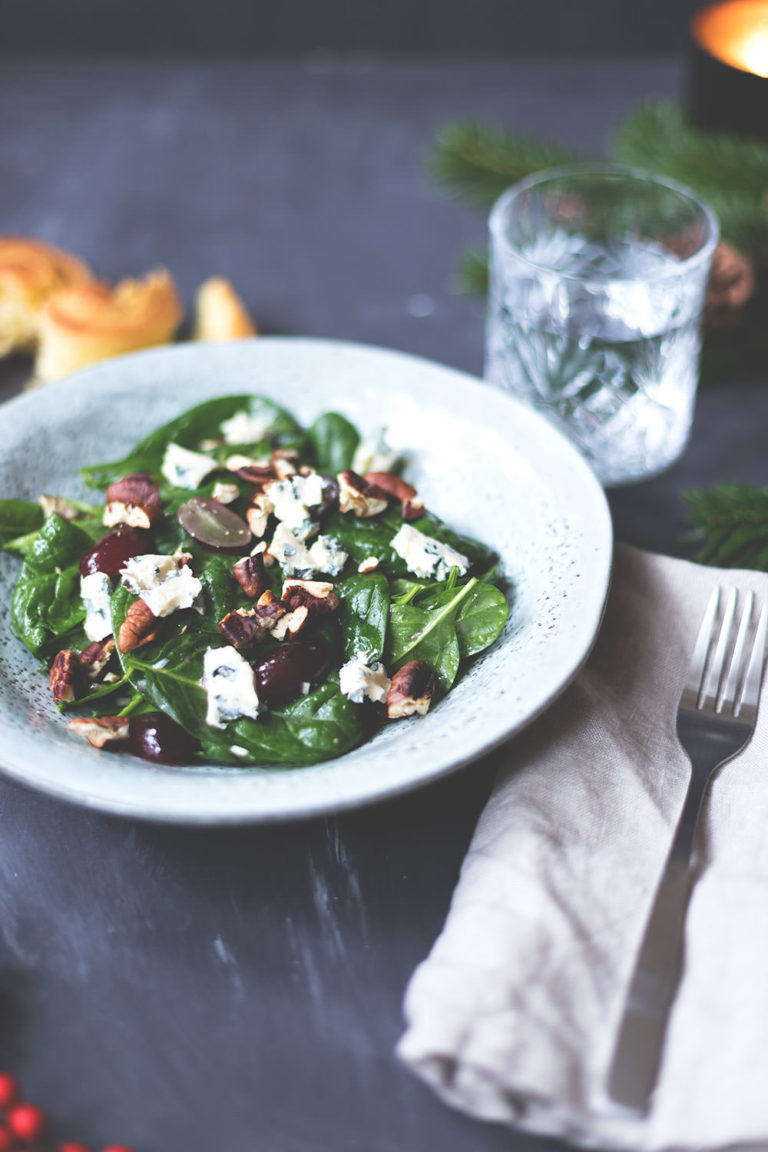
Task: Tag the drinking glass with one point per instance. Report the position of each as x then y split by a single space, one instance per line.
597 283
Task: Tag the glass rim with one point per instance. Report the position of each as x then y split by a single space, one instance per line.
497 217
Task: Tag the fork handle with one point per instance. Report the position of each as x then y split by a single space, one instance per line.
636 1055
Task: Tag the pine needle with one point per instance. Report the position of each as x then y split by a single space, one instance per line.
729 525
478 163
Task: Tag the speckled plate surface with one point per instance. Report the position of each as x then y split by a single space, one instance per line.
490 466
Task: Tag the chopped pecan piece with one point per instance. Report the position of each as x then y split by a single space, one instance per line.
58 506
411 504
101 730
241 627
359 497
139 627
291 623
258 514
411 690
65 676
249 573
225 493
94 659
317 596
285 461
370 564
134 500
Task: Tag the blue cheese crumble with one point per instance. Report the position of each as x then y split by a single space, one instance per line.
164 583
96 589
230 687
186 469
427 557
296 559
359 680
242 428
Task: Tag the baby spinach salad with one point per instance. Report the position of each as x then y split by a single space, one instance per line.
248 592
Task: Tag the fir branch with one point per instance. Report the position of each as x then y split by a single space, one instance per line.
479 163
729 525
730 173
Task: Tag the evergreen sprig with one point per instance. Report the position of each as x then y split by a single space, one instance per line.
477 163
729 525
729 172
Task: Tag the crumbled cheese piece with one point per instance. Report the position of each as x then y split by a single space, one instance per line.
327 555
358 679
370 564
373 455
296 559
164 583
292 501
242 428
230 687
95 589
237 750
426 556
186 469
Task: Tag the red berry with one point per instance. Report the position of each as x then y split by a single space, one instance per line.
9 1090
6 1140
68 1146
26 1121
117 1148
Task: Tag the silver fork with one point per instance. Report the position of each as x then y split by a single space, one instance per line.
715 721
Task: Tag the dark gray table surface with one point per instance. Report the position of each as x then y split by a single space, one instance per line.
190 990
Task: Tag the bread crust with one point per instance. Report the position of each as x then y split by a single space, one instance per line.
32 272
95 321
220 313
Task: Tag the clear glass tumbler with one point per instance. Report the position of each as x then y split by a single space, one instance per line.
597 284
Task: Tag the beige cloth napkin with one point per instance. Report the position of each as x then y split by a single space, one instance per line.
512 1016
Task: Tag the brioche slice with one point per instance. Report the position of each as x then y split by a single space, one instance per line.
220 313
95 321
31 273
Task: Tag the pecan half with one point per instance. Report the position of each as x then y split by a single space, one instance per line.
411 504
94 659
101 730
359 497
249 573
317 596
134 500
64 676
139 627
411 690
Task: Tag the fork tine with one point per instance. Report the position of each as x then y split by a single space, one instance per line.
699 658
753 679
717 663
736 670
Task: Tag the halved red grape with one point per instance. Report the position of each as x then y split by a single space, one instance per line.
214 524
114 550
155 737
282 676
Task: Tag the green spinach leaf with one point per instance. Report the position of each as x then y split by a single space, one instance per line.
364 614
480 619
334 441
18 518
190 428
427 631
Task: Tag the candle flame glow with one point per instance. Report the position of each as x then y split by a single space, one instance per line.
735 32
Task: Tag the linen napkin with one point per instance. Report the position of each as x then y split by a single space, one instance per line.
513 1015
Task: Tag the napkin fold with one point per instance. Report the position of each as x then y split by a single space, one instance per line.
513 1015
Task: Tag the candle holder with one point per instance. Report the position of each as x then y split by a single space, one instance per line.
728 77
